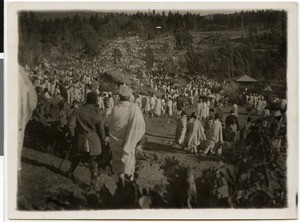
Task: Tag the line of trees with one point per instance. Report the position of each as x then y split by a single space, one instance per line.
86 33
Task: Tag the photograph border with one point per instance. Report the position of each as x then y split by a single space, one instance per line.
11 114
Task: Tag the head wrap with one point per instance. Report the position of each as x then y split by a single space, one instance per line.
125 91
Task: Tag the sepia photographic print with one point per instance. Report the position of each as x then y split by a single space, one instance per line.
152 111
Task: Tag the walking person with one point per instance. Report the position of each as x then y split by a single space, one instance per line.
87 128
214 137
181 128
194 134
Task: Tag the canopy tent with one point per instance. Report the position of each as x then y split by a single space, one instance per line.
117 76
244 79
267 89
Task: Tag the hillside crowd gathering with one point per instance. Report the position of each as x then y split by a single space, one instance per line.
112 124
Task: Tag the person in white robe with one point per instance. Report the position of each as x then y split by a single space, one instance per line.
200 108
255 98
251 101
152 103
77 94
259 107
111 105
194 134
132 98
266 112
101 102
207 107
147 106
158 107
163 106
205 110
170 106
139 101
126 128
214 136
181 128
283 104
235 109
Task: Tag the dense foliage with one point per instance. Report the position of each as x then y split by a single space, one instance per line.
260 52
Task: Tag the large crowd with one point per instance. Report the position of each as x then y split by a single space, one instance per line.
61 93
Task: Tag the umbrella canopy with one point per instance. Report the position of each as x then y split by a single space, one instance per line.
267 89
244 78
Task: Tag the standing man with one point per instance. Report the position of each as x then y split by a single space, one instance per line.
180 103
194 134
232 121
200 108
126 126
87 128
259 107
235 109
214 136
152 104
111 104
219 110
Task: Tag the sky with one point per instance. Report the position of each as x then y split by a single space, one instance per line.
201 12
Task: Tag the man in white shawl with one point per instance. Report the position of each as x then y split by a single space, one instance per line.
152 103
235 109
170 106
180 128
259 107
214 136
194 134
126 126
100 102
111 104
200 108
158 107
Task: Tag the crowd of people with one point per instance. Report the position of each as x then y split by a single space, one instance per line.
206 130
72 105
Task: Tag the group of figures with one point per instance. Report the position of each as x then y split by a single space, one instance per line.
106 127
205 131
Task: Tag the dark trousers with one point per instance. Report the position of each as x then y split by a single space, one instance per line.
86 157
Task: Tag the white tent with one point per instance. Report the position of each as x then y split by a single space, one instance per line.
244 78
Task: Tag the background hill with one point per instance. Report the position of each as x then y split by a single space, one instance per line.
219 45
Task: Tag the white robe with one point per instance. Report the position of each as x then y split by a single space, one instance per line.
152 103
235 109
158 107
170 106
101 102
127 126
200 109
259 106
195 133
110 106
214 135
27 104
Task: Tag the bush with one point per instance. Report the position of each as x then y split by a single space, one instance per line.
231 90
